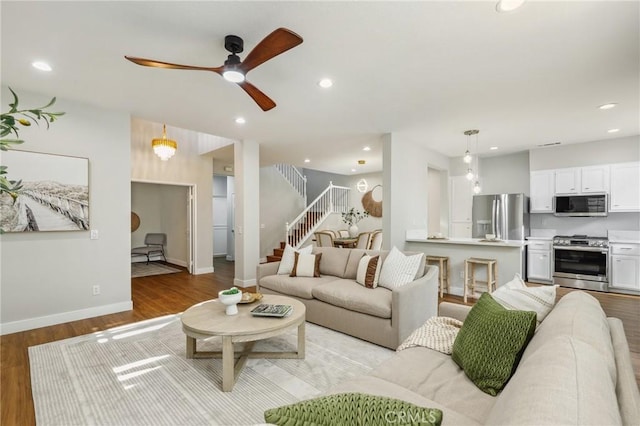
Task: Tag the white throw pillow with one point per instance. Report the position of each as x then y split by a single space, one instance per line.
515 295
368 271
399 269
289 258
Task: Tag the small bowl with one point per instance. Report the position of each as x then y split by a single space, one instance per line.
490 236
230 301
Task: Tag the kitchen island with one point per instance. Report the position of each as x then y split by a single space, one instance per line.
510 256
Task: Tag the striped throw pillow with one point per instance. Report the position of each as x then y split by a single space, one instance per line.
368 271
516 296
288 258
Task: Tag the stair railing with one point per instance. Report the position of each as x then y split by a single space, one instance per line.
297 180
334 199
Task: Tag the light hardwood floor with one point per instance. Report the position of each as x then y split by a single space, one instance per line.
167 294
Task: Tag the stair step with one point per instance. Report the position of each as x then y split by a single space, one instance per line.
278 252
282 244
273 258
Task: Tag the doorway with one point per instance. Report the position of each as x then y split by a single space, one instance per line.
223 217
168 209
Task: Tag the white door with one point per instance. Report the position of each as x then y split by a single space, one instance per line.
567 181
219 226
625 187
625 272
595 179
539 265
541 191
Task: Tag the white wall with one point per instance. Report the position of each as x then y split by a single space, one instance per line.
47 277
405 167
185 167
434 204
618 150
279 204
162 209
505 174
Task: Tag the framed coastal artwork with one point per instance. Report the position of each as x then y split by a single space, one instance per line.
54 194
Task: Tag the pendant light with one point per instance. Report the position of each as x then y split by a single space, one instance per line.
476 186
467 155
164 148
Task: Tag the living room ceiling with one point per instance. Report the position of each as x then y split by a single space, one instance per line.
425 70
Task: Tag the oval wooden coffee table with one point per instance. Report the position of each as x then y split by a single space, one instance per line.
208 319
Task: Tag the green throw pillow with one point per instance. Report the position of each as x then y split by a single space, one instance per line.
490 343
353 409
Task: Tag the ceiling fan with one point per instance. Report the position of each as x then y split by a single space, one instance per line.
235 70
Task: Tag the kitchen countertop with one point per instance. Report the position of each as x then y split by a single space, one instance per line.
469 241
540 238
628 237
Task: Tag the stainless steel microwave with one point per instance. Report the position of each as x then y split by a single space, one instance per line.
580 205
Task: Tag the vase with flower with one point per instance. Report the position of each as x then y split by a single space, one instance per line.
351 218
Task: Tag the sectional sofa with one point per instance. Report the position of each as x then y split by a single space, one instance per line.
334 300
576 370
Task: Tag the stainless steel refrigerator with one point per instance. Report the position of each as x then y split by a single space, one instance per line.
504 215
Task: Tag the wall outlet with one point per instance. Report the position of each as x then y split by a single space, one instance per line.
94 234
96 290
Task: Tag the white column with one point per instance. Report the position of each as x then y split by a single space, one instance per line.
405 164
247 212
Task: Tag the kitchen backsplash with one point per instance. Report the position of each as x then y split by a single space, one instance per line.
592 226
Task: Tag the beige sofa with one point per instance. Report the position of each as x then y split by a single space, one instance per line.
575 371
336 301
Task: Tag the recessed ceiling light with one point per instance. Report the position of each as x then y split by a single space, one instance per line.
353 170
613 130
608 106
325 83
508 5
42 66
240 120
306 160
493 148
366 148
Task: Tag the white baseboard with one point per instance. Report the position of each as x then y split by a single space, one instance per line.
177 262
207 270
31 323
244 283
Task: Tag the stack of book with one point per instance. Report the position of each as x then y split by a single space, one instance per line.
268 310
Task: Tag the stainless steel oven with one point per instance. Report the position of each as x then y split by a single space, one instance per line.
581 262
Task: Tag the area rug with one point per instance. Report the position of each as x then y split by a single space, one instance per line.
138 375
143 270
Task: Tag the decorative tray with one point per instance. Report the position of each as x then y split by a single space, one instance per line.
250 297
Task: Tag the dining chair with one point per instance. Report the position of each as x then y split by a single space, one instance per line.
343 233
376 240
363 240
324 238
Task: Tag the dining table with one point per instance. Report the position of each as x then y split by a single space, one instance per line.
345 242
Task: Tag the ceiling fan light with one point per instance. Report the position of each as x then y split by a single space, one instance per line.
509 5
233 76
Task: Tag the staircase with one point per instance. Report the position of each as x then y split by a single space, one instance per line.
334 199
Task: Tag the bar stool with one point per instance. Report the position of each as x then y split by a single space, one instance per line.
470 277
443 271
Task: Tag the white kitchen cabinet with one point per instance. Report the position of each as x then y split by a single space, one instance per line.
594 179
625 187
461 204
567 181
625 266
461 199
460 230
541 191
539 261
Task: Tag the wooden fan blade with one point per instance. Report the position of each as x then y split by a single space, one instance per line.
256 94
160 64
272 45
